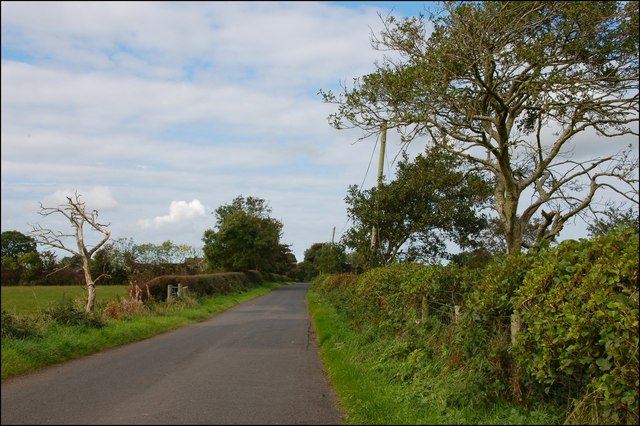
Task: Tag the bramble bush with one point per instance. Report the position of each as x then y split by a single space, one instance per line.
17 327
67 312
578 343
579 306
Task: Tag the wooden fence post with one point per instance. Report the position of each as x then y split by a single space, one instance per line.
516 323
425 309
515 326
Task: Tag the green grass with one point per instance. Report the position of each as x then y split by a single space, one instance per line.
58 343
369 391
27 300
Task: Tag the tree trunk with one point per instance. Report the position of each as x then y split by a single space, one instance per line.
91 287
507 198
513 231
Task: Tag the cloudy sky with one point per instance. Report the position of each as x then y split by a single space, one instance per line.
160 112
157 113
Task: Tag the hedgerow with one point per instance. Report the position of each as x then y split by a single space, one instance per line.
579 307
577 345
202 284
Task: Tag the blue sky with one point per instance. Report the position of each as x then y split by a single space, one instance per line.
160 112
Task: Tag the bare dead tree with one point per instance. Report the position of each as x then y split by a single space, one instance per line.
75 211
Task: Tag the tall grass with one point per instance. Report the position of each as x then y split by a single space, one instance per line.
365 369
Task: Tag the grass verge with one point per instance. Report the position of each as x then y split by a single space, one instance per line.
369 392
57 343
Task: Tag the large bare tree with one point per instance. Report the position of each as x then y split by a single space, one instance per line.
510 86
75 211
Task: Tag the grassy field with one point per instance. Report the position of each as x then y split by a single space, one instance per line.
25 300
57 343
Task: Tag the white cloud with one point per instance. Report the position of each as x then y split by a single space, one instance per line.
179 211
97 198
142 102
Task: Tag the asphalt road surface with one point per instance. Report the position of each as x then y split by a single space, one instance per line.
256 363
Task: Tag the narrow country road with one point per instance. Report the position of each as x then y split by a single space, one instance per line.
256 363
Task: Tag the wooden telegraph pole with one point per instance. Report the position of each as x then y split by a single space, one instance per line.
383 144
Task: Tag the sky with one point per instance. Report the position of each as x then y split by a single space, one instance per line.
157 113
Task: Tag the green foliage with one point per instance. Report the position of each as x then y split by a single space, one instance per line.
433 198
577 346
30 265
13 244
323 258
21 263
338 288
491 291
17 327
122 261
115 263
205 284
404 297
579 306
246 238
331 259
67 313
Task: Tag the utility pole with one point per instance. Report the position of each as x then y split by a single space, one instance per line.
333 236
383 144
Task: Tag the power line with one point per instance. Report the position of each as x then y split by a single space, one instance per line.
373 151
370 160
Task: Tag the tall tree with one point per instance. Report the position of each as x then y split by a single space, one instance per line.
323 258
509 86
75 211
245 238
14 244
433 199
615 218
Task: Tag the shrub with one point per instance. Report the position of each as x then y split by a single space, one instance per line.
122 308
67 313
579 306
200 285
14 327
491 289
403 297
337 287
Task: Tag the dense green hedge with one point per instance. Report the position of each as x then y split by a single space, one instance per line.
578 307
206 284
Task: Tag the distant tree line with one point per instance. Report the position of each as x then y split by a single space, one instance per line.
415 220
118 262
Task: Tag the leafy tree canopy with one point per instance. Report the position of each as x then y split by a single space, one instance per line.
508 85
245 238
434 198
15 244
614 218
323 258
